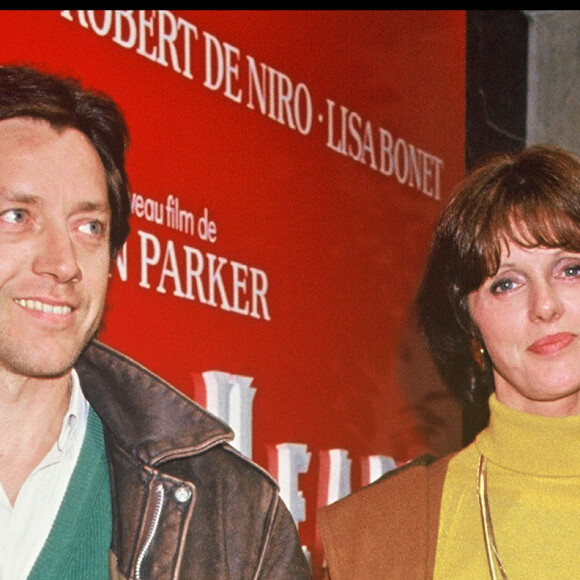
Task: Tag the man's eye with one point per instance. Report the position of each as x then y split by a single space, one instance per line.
93 228
14 216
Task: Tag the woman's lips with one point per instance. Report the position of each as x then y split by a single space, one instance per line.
552 344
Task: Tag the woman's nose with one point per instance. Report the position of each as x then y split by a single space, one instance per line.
546 303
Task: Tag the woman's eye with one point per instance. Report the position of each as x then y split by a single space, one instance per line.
572 271
502 286
14 216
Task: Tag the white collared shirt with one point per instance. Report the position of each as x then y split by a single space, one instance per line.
24 526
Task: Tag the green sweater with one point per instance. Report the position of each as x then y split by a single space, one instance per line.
77 547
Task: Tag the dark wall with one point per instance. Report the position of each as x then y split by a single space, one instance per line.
496 82
496 97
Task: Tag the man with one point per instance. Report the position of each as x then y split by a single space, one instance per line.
105 470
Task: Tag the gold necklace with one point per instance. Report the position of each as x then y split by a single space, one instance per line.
493 559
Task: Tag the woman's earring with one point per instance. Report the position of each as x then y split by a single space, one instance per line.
478 353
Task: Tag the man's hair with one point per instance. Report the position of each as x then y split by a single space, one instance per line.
531 198
62 102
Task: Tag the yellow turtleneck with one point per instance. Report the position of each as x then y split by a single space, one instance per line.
533 466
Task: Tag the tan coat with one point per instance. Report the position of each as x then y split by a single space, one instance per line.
387 529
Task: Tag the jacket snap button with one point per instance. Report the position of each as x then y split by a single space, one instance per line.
182 494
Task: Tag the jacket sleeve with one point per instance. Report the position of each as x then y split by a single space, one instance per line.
283 557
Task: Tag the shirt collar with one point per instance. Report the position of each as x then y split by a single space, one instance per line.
76 415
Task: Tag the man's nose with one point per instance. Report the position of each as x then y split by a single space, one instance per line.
57 255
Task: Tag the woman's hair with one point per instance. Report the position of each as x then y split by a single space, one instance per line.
27 92
532 198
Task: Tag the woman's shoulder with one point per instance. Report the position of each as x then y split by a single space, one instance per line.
402 484
402 504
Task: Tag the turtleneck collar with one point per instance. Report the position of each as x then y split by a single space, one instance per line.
532 444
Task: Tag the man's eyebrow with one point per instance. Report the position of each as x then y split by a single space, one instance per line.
19 197
11 196
97 206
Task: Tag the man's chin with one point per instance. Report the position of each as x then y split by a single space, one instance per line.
45 356
42 364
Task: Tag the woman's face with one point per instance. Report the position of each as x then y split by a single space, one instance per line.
528 314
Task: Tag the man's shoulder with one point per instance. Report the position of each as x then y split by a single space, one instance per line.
223 464
155 421
125 393
153 430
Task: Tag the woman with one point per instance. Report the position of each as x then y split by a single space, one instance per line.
500 309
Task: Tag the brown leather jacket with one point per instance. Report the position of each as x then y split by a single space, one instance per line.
186 505
386 530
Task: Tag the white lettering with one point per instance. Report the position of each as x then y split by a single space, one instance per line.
278 98
148 241
286 462
374 466
348 133
125 17
334 475
170 269
146 33
105 27
122 264
230 397
226 67
213 280
157 35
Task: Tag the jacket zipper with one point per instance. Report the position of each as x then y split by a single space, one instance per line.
160 493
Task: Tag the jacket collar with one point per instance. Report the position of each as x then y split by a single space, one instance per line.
134 404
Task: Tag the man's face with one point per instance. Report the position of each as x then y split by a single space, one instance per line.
54 247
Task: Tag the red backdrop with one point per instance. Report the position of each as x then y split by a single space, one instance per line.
320 145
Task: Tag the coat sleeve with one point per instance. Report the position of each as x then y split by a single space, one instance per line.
283 557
